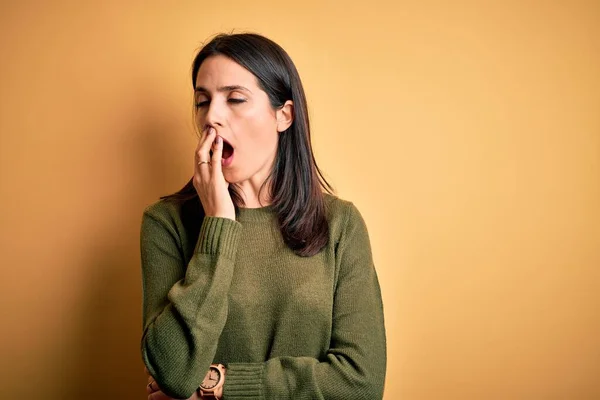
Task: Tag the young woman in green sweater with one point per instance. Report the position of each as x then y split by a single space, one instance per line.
258 282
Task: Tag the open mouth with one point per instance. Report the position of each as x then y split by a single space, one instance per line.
228 150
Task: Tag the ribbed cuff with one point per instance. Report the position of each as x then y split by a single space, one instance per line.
244 381
219 236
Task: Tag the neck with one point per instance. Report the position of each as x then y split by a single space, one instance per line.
250 190
255 202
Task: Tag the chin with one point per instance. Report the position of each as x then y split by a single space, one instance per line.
231 177
234 177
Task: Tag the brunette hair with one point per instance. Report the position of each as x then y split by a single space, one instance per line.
296 181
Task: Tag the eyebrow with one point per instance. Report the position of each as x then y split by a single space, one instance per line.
223 89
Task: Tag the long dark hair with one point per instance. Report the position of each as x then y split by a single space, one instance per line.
296 182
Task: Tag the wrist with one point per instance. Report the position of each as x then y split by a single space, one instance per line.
212 385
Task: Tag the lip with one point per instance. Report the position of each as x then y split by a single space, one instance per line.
230 159
224 139
226 162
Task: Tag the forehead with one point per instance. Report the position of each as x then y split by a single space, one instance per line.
220 70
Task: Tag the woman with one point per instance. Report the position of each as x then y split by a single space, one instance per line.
258 283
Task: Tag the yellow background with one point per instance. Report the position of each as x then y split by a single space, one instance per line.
467 133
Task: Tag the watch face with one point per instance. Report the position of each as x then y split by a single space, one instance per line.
211 379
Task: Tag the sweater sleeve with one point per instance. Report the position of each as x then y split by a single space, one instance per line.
354 366
184 307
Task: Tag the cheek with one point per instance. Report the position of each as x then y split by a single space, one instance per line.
254 123
252 115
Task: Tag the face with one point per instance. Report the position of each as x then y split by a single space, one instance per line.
228 98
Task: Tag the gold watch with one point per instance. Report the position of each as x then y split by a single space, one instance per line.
212 385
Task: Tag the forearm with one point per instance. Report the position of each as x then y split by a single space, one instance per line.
179 344
338 377
181 336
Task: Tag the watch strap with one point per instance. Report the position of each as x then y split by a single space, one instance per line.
207 395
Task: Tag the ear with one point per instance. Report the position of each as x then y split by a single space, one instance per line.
285 116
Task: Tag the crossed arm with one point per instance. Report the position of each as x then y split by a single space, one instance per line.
155 393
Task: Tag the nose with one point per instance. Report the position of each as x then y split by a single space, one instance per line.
215 114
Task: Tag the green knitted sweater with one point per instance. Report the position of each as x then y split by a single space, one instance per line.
217 290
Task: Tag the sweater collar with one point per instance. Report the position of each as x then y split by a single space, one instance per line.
255 214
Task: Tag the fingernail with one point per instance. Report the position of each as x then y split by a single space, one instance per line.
219 139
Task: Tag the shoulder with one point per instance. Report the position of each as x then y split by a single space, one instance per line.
338 208
342 215
160 220
162 211
173 211
180 218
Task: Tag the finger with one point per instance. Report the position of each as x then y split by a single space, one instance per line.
203 155
151 387
159 396
200 141
203 134
217 157
204 144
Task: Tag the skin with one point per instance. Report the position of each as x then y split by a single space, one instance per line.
244 117
154 392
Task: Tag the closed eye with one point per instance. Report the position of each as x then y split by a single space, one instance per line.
232 101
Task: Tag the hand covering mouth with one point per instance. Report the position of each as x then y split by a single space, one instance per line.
227 149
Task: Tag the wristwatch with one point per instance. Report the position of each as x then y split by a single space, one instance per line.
212 385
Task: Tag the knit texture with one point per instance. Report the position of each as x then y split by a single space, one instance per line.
217 290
